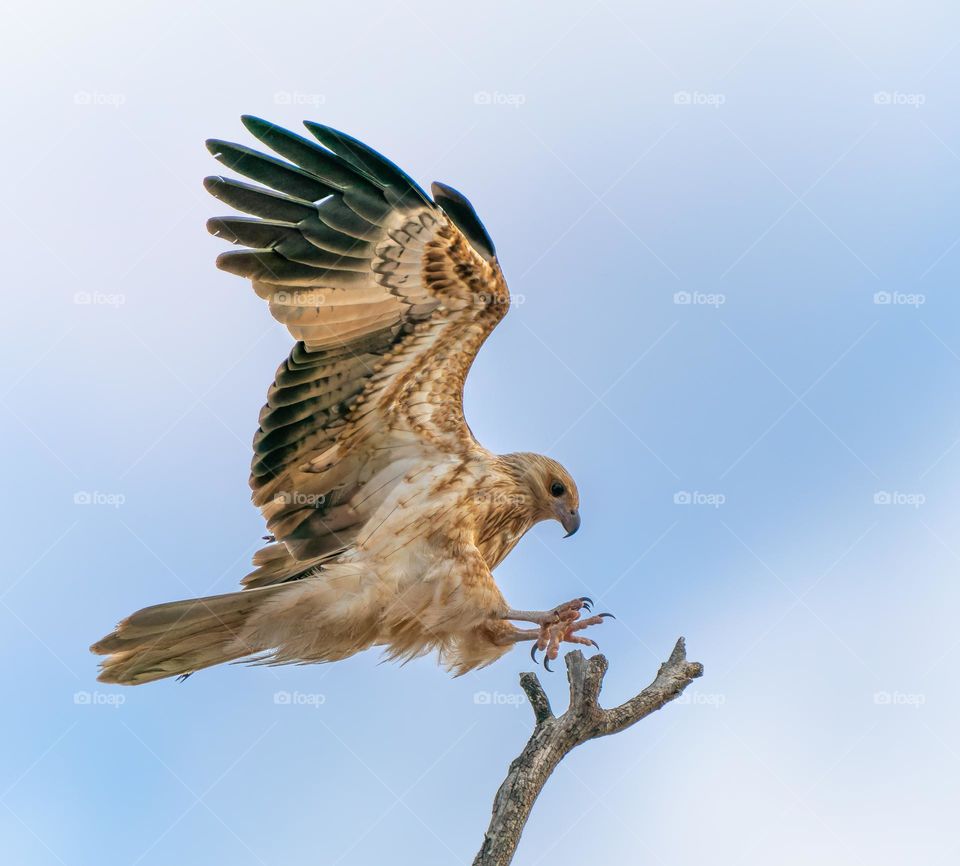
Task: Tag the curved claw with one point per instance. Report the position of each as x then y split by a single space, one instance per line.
601 615
533 653
546 663
594 644
587 602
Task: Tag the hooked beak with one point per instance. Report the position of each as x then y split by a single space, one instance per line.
569 520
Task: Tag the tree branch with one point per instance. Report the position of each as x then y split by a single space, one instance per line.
554 737
537 697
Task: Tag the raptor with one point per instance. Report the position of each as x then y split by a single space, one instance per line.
386 516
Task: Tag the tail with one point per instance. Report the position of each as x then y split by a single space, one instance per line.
322 618
181 637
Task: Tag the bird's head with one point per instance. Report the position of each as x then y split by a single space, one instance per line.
552 492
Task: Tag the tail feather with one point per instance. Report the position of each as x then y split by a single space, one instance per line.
275 564
180 637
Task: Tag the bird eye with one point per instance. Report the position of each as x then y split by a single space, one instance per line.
557 489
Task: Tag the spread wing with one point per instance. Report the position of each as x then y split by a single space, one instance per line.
389 294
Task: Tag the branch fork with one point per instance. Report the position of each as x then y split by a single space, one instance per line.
554 737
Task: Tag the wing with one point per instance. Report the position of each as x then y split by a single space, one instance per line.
389 294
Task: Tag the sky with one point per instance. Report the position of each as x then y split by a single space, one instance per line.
732 238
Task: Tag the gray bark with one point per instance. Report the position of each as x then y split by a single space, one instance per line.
553 737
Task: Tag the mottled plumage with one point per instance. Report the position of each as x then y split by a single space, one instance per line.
388 516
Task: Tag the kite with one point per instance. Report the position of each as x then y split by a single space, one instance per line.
386 516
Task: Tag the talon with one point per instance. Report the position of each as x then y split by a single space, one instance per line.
557 627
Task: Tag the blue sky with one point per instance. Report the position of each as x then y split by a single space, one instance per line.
732 233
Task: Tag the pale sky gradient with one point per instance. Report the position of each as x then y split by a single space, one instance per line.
792 169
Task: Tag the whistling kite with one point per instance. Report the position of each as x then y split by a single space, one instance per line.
387 516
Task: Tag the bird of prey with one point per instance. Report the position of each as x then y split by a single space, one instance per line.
386 516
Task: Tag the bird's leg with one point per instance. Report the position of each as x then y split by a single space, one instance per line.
555 626
568 611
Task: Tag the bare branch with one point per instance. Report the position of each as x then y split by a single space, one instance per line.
554 737
672 678
537 697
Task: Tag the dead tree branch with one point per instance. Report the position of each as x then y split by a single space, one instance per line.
554 737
